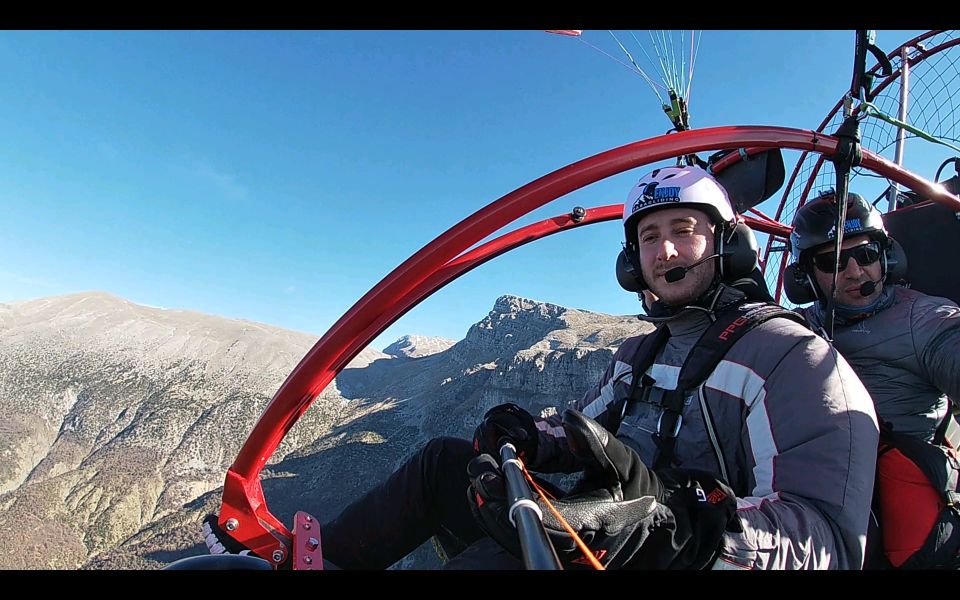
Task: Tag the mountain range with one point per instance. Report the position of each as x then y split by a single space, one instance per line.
121 420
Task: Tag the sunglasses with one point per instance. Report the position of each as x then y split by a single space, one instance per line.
865 255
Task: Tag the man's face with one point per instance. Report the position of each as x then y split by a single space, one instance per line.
851 277
676 237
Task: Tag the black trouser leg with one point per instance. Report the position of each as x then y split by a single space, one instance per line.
485 553
425 496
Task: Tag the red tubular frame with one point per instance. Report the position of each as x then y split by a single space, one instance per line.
442 261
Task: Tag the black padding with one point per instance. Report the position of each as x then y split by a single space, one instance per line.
739 253
752 180
930 235
897 265
755 286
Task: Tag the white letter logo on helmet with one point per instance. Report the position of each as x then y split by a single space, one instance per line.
678 186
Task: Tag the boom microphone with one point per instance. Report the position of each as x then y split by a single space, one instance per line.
677 273
869 287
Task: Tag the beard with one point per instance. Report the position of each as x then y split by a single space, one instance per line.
688 290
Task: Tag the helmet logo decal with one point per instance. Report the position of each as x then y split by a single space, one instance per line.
653 193
848 226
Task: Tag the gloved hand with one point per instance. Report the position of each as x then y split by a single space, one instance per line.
629 516
511 422
219 541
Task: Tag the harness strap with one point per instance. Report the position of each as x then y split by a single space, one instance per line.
948 432
730 325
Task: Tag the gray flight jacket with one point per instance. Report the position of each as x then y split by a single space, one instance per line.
907 355
791 429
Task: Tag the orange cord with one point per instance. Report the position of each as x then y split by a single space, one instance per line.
576 538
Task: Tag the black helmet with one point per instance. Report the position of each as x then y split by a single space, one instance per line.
816 224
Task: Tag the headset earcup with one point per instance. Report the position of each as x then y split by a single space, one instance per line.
628 275
797 285
738 252
896 266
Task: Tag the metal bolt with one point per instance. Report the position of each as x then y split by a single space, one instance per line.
309 518
232 524
578 214
278 556
307 559
312 544
306 525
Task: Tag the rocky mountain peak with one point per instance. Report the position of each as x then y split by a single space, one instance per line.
417 346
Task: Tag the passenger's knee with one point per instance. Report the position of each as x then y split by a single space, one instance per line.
448 453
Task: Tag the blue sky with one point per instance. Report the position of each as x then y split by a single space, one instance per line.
277 176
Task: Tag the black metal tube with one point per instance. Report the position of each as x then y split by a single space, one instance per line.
538 552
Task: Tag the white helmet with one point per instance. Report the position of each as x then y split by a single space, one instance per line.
673 187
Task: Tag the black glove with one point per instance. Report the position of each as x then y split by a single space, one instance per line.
511 422
629 516
219 541
487 496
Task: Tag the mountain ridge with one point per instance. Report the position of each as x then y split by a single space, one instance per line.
122 419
